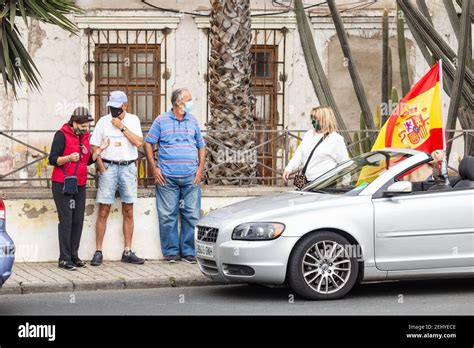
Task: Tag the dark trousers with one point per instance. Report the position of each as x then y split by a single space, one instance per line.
71 218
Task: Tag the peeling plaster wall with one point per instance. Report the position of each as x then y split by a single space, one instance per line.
370 71
32 224
7 159
36 35
56 55
300 92
187 74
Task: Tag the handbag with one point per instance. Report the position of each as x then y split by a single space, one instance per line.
70 186
300 179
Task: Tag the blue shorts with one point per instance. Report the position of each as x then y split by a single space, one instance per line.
117 176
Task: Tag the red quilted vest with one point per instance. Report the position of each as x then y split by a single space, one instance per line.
71 146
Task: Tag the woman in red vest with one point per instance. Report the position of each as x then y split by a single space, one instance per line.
70 155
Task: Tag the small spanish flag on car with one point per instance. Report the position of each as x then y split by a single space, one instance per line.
417 122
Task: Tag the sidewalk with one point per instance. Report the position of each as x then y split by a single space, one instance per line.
30 278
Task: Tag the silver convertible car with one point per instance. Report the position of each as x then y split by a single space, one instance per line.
370 218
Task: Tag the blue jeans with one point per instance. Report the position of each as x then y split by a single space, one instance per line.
178 195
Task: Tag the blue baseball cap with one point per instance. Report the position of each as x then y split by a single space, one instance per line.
116 99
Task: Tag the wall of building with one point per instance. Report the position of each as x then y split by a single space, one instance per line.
32 224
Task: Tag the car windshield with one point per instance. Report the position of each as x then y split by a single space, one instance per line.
355 174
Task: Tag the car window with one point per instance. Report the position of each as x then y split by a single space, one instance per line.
355 174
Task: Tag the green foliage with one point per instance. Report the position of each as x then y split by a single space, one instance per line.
16 64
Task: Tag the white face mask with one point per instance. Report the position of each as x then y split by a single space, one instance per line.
188 106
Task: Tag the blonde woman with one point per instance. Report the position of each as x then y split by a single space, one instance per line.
330 147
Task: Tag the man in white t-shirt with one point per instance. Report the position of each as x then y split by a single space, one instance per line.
117 170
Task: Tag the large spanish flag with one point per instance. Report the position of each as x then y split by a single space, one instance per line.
417 121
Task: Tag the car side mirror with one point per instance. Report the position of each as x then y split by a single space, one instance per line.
398 188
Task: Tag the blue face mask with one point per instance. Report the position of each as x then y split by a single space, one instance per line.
188 106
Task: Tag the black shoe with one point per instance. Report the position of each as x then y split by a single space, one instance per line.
172 258
67 264
130 257
79 263
189 259
97 258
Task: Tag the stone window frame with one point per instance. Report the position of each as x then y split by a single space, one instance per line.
126 20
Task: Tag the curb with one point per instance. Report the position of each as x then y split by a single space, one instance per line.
11 289
160 282
31 288
85 285
112 284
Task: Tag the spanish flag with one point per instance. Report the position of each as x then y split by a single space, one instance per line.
417 121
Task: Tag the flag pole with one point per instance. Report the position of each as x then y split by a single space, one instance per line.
441 90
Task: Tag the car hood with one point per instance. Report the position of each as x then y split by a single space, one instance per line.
266 206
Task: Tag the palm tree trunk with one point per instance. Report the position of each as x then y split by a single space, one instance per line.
230 141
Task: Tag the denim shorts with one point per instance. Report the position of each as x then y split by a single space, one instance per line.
123 178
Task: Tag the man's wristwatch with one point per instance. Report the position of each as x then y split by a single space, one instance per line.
123 129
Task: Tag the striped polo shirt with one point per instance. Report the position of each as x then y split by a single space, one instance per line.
178 143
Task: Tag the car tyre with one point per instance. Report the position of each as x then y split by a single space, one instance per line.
321 267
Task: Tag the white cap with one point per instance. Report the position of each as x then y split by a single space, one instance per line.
116 99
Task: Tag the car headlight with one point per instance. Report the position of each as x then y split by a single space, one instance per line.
258 231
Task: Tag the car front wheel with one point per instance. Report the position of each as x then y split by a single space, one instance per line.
323 266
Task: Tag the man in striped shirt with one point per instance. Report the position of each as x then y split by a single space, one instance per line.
177 173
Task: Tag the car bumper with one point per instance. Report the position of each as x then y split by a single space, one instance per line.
4 277
7 256
6 265
248 261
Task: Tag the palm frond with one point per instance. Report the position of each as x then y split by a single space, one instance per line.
16 64
53 12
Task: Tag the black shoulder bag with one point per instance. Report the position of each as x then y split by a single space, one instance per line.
70 186
300 179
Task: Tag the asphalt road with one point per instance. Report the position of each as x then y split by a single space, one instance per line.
441 297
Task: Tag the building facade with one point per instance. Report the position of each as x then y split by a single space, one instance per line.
147 52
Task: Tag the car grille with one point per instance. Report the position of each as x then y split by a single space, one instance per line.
207 234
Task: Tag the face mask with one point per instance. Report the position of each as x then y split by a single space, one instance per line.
315 124
188 106
115 112
79 131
